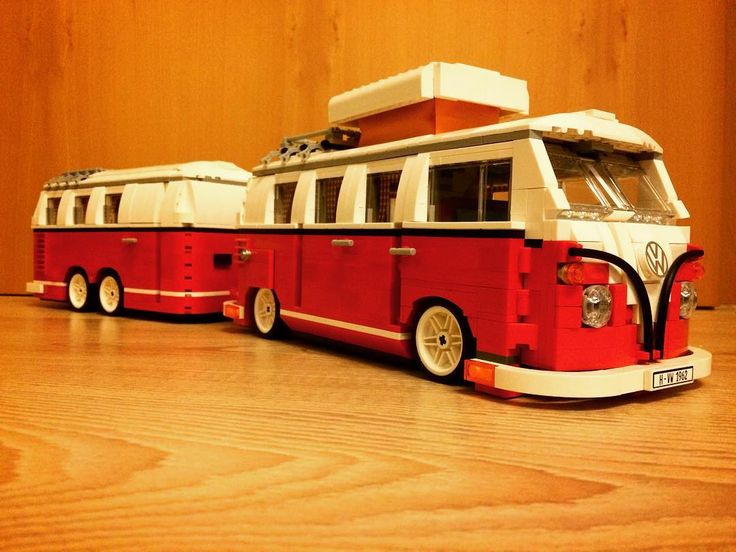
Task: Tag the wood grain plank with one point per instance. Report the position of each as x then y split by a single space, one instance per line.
125 83
139 433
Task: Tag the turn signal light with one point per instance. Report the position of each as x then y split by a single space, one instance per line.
571 273
698 271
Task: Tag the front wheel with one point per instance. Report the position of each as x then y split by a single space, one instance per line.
266 313
111 295
443 341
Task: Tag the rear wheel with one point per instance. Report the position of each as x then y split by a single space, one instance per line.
266 313
111 295
443 342
78 292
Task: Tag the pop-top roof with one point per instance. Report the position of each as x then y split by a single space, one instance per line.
436 80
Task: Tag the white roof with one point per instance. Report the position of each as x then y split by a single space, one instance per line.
593 125
196 170
221 170
450 81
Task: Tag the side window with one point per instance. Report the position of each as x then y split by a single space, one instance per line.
283 199
469 192
326 206
496 181
52 210
112 204
80 208
381 192
453 193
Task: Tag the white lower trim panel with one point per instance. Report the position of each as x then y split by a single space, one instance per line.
596 383
397 336
37 286
164 293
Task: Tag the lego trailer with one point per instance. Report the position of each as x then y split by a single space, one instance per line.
526 255
157 239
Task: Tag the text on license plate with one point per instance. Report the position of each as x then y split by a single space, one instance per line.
670 378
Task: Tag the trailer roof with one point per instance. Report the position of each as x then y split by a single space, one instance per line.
221 171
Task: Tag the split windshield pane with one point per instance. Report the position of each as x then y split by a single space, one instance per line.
599 183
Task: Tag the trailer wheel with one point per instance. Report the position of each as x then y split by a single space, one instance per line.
266 313
443 341
111 295
78 292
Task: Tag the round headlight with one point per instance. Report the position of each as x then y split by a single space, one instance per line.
688 299
596 306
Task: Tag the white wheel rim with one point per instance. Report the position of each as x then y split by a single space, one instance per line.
109 294
264 310
78 291
439 341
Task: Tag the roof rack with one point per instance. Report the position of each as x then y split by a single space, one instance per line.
304 145
70 179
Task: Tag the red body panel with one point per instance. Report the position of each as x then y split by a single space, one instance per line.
169 271
348 287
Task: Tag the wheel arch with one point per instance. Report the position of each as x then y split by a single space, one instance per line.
107 271
73 270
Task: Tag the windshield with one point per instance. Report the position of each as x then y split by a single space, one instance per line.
598 185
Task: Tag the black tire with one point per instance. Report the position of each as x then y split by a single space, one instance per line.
110 295
79 293
265 311
442 342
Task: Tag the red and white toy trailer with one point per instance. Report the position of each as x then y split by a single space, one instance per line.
155 238
536 255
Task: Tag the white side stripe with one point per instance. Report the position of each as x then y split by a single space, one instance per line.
46 283
346 325
162 293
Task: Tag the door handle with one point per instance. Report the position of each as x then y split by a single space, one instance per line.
402 251
129 241
343 243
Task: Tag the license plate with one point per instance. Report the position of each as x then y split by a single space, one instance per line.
672 377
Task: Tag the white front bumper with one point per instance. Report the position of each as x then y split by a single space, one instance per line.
595 383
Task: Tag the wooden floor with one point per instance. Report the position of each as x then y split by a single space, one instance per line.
143 434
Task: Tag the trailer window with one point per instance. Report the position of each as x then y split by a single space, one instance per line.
283 200
381 192
112 205
328 189
469 192
52 210
80 208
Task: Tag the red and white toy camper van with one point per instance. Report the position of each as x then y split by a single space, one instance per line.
156 238
536 255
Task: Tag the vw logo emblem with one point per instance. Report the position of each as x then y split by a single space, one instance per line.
656 259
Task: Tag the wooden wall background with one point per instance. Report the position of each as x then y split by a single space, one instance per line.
121 83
